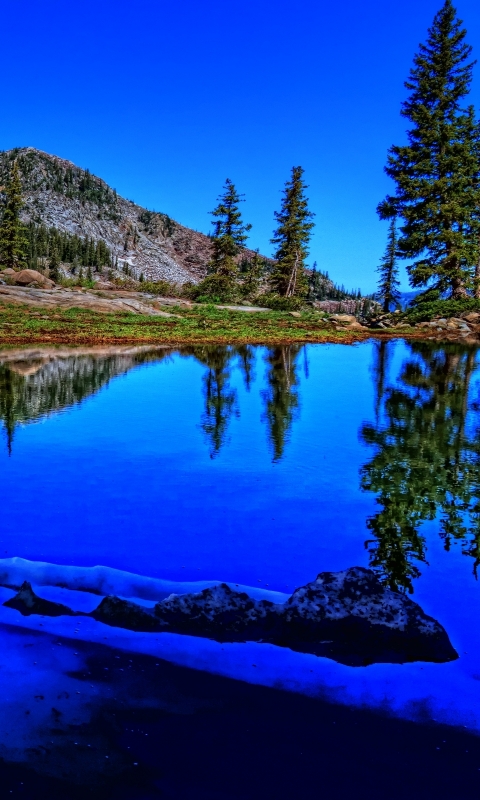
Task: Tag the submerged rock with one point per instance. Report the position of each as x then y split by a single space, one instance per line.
27 602
351 617
125 614
220 613
348 616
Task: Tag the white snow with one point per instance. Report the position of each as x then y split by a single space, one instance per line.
445 692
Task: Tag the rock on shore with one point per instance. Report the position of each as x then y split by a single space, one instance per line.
348 616
27 602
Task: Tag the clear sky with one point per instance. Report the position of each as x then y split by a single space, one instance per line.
164 100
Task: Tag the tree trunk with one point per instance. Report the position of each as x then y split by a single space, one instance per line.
476 284
458 289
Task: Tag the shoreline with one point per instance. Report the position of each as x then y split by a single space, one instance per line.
61 317
171 342
25 325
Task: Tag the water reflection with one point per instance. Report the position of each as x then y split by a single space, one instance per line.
426 463
220 398
281 402
36 382
424 441
281 399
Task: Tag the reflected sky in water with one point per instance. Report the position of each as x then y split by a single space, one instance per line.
246 463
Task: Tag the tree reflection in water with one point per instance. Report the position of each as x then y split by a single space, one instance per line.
281 399
220 397
426 464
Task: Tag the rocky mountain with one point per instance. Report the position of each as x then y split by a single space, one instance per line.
59 194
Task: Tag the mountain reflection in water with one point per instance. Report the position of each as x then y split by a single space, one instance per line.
37 382
423 445
426 462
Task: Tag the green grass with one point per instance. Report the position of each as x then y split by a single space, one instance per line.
208 324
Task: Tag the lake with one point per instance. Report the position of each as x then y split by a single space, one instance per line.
261 467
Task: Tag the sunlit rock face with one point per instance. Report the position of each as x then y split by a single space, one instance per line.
347 616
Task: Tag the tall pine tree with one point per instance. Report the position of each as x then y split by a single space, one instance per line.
13 241
437 174
229 234
291 238
388 284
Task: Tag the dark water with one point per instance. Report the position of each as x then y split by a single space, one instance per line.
261 466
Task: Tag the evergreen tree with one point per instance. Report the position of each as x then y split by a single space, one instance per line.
291 238
437 173
229 234
388 293
13 242
251 282
54 265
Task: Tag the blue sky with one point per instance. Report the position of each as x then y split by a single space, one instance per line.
166 100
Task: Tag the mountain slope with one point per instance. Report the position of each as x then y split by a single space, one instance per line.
61 195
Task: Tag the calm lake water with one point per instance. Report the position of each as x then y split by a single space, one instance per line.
262 467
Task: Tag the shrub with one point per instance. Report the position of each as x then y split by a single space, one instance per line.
164 288
428 309
214 289
278 303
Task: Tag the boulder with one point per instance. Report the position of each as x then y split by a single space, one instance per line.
27 602
27 277
220 613
7 273
345 319
351 617
471 316
125 614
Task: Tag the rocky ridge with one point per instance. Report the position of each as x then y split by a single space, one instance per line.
59 194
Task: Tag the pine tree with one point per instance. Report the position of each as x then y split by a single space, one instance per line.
437 174
291 238
388 293
13 241
54 264
251 282
230 233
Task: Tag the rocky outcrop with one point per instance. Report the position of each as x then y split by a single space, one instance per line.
465 327
71 298
29 277
27 602
347 616
124 614
221 613
347 321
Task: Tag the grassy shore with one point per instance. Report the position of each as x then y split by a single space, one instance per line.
202 324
